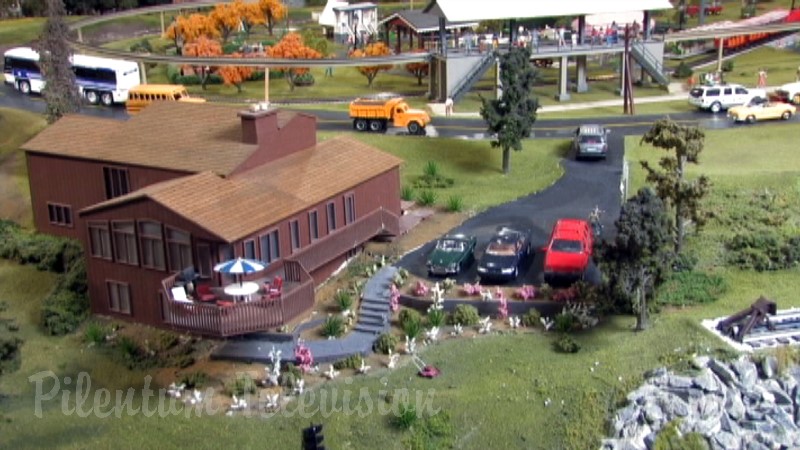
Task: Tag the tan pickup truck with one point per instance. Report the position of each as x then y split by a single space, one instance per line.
374 115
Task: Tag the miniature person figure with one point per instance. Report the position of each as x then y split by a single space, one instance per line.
797 75
535 44
762 78
329 69
468 41
448 107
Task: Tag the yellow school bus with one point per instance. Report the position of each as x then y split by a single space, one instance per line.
144 94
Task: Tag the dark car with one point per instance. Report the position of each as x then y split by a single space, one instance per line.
590 142
505 254
451 255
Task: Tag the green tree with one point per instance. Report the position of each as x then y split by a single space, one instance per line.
638 256
511 116
685 144
59 93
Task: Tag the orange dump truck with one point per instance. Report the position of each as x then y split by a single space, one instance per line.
374 115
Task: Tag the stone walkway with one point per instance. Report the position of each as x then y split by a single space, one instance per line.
373 319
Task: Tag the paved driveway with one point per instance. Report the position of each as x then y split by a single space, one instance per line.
585 184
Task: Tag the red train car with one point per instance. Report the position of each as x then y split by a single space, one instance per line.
736 42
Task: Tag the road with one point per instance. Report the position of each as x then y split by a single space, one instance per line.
583 186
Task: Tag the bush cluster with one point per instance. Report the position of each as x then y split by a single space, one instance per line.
333 327
764 250
67 306
351 362
243 384
566 344
465 315
531 318
691 288
386 342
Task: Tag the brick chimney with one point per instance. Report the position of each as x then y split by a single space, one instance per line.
259 123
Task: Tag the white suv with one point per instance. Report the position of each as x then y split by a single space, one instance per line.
722 96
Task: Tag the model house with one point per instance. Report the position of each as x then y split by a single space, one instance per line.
352 23
190 185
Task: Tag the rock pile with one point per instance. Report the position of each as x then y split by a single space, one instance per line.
736 405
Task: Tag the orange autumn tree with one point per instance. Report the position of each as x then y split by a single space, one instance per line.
419 69
292 47
226 19
235 75
203 47
186 29
273 11
370 51
250 15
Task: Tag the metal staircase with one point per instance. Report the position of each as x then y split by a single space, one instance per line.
472 76
649 63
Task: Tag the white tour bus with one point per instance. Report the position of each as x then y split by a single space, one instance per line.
100 80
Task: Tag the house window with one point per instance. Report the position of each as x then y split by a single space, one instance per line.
60 215
152 244
313 225
119 297
125 250
204 260
179 249
349 209
331 217
99 240
270 246
250 249
116 180
294 234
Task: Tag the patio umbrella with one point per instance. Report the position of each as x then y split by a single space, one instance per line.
240 266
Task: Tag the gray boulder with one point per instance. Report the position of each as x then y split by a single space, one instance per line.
769 367
652 413
734 406
678 381
726 441
706 381
747 372
722 371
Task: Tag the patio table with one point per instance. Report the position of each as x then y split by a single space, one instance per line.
241 290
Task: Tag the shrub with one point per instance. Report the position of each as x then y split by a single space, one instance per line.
290 376
132 354
684 262
412 328
431 169
344 299
63 311
564 322
407 193
385 343
351 362
670 437
333 327
727 65
566 344
407 416
409 315
455 203
465 315
436 317
683 71
432 432
243 384
531 318
194 380
142 46
9 354
305 79
426 198
691 288
95 333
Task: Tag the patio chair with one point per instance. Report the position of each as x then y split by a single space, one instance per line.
179 295
275 288
204 293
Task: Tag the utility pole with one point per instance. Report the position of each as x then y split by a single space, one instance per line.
627 79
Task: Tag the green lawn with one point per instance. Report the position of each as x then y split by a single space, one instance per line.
16 127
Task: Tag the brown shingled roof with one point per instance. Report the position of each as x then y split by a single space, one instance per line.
236 207
156 137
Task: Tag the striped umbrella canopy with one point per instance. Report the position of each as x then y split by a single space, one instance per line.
240 266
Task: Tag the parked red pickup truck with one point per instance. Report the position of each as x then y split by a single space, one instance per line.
569 250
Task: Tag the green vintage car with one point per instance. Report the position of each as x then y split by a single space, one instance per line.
451 255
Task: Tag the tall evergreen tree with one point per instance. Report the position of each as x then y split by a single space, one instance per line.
636 259
511 116
60 92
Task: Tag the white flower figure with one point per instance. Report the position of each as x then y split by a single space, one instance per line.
347 313
411 346
195 398
315 369
485 325
238 404
331 373
547 402
514 321
364 367
432 335
393 358
272 401
274 355
176 390
458 330
486 295
546 323
437 295
300 387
